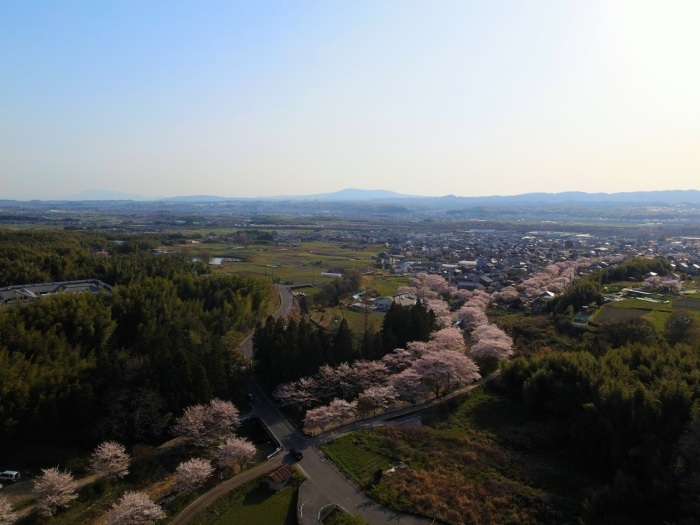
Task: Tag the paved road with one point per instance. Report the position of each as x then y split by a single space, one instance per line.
325 486
286 303
207 499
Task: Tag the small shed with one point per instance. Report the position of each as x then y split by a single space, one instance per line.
278 478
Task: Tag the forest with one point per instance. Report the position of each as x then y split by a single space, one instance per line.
165 338
287 351
625 403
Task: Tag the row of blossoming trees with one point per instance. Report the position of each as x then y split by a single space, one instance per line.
207 428
421 370
450 359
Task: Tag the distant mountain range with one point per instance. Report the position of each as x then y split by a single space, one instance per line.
106 195
349 194
358 195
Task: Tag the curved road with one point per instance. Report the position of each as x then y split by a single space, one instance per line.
325 485
286 303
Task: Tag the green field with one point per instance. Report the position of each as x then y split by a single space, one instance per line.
254 504
303 263
356 458
618 314
656 313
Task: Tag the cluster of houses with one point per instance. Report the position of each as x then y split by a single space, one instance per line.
490 261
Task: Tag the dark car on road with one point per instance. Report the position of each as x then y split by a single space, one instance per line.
296 454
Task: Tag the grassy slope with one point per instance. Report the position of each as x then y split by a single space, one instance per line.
475 461
253 504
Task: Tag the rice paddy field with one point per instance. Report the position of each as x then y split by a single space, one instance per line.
302 263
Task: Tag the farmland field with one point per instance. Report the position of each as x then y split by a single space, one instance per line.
686 303
607 314
355 458
300 263
655 312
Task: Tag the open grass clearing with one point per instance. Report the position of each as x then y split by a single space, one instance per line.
330 318
254 504
641 303
658 318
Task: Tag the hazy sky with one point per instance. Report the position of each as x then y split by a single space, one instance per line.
432 97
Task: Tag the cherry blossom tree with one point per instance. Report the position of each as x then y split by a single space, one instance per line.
110 459
448 339
224 416
479 299
439 308
206 425
193 424
134 508
398 360
436 283
235 453
444 339
670 285
651 283
471 317
490 342
407 385
7 516
440 372
506 295
327 378
345 381
362 375
192 473
54 489
490 331
460 295
301 393
491 348
319 417
378 397
338 411
343 409
403 290
419 347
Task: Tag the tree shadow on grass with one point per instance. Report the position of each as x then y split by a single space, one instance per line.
259 495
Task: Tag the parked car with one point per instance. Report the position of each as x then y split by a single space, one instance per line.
9 476
297 454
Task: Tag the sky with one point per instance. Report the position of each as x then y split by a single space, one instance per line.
260 98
